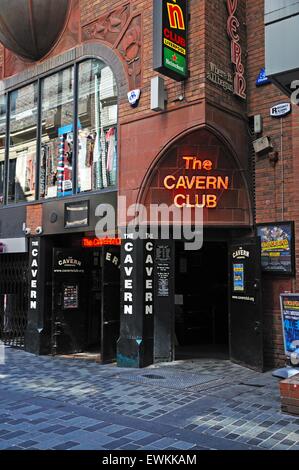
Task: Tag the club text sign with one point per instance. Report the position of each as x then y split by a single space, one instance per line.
170 38
233 26
197 190
34 271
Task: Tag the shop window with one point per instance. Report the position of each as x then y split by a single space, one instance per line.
42 135
2 144
97 127
22 144
56 167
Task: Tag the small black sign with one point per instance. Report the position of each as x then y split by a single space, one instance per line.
278 247
171 38
71 297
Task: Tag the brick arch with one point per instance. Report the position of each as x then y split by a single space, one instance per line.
234 208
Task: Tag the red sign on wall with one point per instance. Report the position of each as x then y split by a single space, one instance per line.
233 26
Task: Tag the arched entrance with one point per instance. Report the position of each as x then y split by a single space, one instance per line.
200 169
210 287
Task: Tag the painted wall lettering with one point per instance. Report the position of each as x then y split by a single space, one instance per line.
128 266
34 255
233 26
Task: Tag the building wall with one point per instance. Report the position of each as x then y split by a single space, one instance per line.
273 203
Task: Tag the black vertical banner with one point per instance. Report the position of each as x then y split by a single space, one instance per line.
171 38
135 345
37 337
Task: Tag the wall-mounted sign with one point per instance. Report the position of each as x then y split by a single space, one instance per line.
134 97
278 247
233 26
163 270
171 38
69 264
221 78
34 274
71 297
281 110
262 79
290 322
197 190
76 214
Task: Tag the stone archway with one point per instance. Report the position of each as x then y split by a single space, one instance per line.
199 169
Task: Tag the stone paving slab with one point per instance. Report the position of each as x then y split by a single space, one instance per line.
54 403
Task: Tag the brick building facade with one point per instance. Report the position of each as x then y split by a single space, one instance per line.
203 116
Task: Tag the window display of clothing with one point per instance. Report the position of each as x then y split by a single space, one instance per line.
111 153
97 159
56 167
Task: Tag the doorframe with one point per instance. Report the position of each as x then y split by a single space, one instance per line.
213 238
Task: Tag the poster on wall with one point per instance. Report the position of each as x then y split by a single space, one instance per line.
71 296
290 322
278 247
239 278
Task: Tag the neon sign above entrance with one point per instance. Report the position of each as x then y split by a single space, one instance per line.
100 242
188 186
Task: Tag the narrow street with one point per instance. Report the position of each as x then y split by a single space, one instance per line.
62 404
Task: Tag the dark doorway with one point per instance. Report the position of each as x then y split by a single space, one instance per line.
201 302
86 301
69 301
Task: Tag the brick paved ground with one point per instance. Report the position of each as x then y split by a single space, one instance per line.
53 403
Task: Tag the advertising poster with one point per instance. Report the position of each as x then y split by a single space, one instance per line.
171 38
277 242
239 282
290 322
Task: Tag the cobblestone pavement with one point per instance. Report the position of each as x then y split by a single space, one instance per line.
54 403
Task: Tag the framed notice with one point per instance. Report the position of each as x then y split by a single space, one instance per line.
277 248
163 270
290 322
70 297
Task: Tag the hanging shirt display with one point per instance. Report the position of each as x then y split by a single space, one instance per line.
84 178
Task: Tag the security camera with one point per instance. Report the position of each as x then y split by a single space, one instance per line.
27 231
39 230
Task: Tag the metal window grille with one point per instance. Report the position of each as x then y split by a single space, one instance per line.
13 299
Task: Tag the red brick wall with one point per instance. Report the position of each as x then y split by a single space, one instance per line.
269 183
34 217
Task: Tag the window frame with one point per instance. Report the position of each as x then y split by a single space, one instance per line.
39 80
